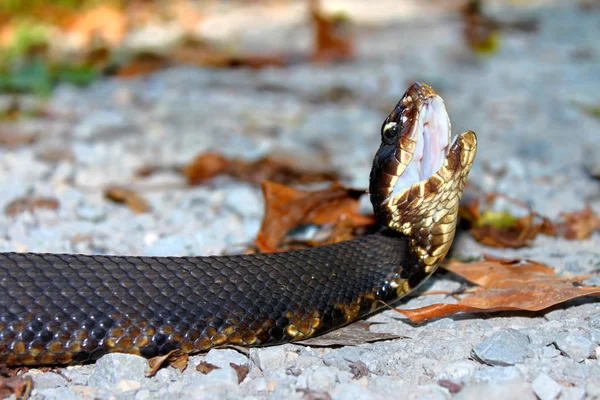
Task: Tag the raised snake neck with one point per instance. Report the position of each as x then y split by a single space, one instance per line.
66 308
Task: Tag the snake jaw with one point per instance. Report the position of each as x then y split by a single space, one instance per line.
415 138
423 173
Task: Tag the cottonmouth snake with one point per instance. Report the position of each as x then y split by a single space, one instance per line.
67 308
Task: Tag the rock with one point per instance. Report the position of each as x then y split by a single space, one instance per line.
505 347
591 160
167 246
496 374
545 387
489 391
112 368
268 357
351 391
572 393
550 352
593 281
593 335
342 357
592 389
48 381
217 384
223 357
143 394
459 371
538 336
91 213
575 346
321 379
55 394
128 385
594 321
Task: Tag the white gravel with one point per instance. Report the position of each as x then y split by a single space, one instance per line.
523 101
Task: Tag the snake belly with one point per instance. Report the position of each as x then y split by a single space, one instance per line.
69 308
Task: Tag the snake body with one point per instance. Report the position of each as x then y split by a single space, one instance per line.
67 308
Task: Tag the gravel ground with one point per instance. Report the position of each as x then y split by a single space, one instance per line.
525 103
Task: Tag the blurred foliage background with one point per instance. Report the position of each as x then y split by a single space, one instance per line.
43 42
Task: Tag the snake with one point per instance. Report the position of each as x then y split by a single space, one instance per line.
60 309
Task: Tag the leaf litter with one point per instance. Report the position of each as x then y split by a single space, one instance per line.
504 230
506 285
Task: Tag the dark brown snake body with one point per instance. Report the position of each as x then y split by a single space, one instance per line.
65 308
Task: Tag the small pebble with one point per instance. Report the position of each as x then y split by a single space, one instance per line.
115 367
496 374
593 281
505 347
223 357
268 357
594 321
143 394
593 335
575 346
489 391
538 336
545 387
128 385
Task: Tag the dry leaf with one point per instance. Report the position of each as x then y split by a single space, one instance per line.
286 208
133 200
175 358
13 139
351 335
452 387
23 204
358 369
313 394
501 229
205 166
18 385
578 225
142 64
241 371
507 285
333 39
270 168
516 235
205 367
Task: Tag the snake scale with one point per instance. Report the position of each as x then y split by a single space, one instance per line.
68 308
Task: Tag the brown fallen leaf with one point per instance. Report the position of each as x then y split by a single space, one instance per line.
24 204
14 139
350 335
130 197
286 208
18 385
270 168
452 387
308 394
175 358
501 229
205 166
142 64
358 369
241 371
577 225
205 367
332 36
482 32
506 285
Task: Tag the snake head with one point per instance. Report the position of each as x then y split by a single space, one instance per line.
419 173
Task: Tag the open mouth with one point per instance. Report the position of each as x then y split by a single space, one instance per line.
432 136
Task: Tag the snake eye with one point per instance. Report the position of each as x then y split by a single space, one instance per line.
389 131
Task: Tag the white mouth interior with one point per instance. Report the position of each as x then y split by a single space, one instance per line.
433 142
